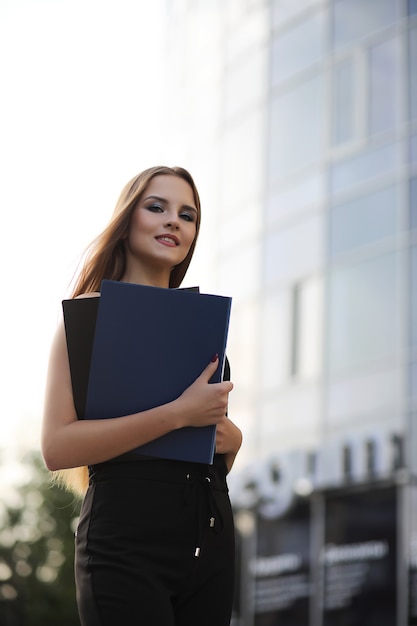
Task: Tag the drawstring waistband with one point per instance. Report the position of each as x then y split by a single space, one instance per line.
201 482
209 518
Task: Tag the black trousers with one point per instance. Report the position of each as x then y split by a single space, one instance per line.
155 545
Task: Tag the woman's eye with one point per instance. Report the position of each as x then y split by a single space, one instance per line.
156 208
187 217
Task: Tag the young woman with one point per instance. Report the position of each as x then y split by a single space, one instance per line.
155 542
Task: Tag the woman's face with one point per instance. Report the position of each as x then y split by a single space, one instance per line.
162 226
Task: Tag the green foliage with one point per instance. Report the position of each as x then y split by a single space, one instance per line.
37 553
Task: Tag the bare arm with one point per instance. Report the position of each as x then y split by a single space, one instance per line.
69 442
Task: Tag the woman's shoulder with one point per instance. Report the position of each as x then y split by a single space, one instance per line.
91 294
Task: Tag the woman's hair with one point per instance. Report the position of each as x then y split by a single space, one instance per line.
106 259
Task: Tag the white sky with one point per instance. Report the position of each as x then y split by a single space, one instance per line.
81 100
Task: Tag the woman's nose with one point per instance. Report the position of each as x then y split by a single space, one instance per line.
173 222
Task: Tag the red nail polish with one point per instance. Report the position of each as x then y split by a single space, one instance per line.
214 357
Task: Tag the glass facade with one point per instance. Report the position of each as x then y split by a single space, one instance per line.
309 140
306 112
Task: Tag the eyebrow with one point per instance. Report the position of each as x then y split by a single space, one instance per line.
184 206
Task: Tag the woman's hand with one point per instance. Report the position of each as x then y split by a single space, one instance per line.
204 403
228 440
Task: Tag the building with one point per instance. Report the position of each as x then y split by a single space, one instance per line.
300 119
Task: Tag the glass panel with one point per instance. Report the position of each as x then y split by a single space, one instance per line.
289 200
292 253
252 71
297 128
275 339
243 345
307 326
363 314
242 150
413 297
378 391
354 19
364 167
283 10
364 220
412 7
298 48
413 203
413 149
413 383
251 32
243 264
237 229
343 101
384 62
412 467
413 72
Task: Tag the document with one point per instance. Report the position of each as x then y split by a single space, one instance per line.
149 345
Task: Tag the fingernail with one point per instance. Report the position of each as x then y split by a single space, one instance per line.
214 357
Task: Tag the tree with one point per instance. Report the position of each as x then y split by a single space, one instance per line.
37 552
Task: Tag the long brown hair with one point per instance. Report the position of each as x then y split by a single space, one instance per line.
105 259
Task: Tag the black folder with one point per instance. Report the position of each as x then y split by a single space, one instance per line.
80 323
149 344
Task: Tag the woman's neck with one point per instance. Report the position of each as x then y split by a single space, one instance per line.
150 278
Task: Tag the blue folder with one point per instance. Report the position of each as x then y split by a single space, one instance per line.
150 344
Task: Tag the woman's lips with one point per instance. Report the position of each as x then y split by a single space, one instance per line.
168 240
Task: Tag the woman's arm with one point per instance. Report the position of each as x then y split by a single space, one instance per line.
69 442
228 440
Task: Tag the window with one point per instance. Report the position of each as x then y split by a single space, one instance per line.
288 200
412 59
412 464
413 383
363 313
412 7
343 102
298 119
413 149
248 36
240 270
366 166
251 71
364 220
413 297
283 10
384 85
275 339
354 19
291 333
294 252
297 48
376 391
307 313
413 203
241 150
